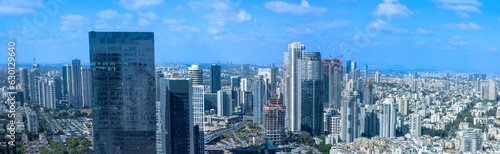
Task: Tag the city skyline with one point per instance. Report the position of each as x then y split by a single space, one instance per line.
448 35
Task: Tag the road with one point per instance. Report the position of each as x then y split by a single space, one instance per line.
210 136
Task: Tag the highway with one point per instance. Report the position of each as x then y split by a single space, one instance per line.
210 136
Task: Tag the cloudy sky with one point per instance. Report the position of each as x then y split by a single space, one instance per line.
448 34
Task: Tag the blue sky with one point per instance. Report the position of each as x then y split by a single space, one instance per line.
447 34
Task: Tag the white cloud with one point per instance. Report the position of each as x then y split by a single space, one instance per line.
221 12
243 16
460 6
462 26
65 28
102 24
458 40
492 49
419 42
143 22
383 26
293 8
112 14
424 31
299 30
214 30
74 20
392 8
176 25
150 15
19 6
139 4
170 21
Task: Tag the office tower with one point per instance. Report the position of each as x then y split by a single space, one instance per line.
311 93
357 73
244 84
388 118
198 115
64 77
247 102
158 76
415 125
485 92
492 90
259 99
86 87
470 140
403 106
245 70
349 116
55 93
123 92
215 75
335 85
33 83
235 87
370 123
24 81
235 82
42 91
224 103
177 134
69 83
364 72
195 72
275 121
210 100
414 86
377 77
368 93
352 71
76 84
292 85
478 86
348 66
269 75
32 122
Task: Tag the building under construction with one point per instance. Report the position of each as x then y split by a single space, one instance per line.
275 121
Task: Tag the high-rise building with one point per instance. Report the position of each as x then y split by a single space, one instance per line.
69 83
388 118
259 99
177 134
224 103
86 87
415 125
352 71
470 140
198 115
292 85
364 72
414 86
244 84
33 82
403 106
311 93
368 93
478 85
245 70
331 122
349 117
76 84
64 76
235 88
269 75
377 77
123 92
32 122
215 78
195 72
158 76
335 85
492 90
24 81
275 121
370 123
247 101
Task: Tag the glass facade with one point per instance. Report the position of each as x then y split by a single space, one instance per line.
123 84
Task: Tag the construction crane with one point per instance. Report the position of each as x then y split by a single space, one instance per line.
277 109
340 56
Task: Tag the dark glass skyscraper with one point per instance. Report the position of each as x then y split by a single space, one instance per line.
76 84
215 80
123 84
24 80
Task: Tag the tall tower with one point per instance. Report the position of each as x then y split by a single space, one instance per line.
33 79
215 74
292 85
123 83
311 92
349 117
76 85
224 103
176 117
258 101
24 79
64 76
388 118
492 90
86 87
196 74
335 86
415 125
199 111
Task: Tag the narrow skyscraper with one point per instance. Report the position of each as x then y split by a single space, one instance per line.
349 117
196 74
123 84
86 87
292 85
215 81
76 84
